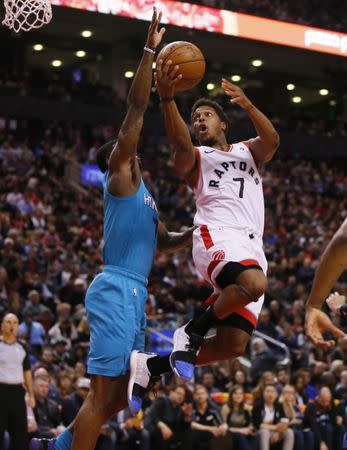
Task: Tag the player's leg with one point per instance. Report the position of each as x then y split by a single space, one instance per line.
106 396
232 337
143 367
116 390
230 341
241 279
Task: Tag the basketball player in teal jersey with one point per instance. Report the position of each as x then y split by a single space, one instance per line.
115 301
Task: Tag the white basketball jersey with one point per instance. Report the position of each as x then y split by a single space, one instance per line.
229 190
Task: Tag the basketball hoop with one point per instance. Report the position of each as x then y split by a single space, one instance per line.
25 15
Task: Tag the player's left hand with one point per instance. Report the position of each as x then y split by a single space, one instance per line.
317 323
237 95
335 301
155 35
187 236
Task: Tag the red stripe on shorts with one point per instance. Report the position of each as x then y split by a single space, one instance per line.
249 262
206 237
213 264
247 315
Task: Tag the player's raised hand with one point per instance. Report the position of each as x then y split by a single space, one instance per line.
237 95
155 34
166 77
316 324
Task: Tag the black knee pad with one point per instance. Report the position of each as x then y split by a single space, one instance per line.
231 271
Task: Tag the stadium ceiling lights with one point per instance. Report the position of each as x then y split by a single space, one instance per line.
56 63
323 92
86 33
38 47
80 53
210 86
290 87
257 62
129 74
296 99
235 78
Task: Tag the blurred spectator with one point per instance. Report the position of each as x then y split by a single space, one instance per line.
47 412
341 387
304 437
262 359
239 420
324 421
168 420
270 421
207 422
72 404
33 306
132 431
33 332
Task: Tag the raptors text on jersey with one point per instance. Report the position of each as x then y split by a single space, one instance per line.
229 189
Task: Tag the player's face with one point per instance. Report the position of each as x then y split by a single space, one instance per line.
207 125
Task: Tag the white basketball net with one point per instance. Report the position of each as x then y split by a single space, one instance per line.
24 15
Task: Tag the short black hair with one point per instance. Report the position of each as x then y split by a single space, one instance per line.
103 153
212 104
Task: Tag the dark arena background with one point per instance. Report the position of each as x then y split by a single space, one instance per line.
63 90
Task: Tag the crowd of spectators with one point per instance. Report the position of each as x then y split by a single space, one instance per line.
61 87
51 248
317 13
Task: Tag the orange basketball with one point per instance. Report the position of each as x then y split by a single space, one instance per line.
190 59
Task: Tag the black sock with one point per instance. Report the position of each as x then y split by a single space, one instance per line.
202 324
159 365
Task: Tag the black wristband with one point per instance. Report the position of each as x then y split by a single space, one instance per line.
166 99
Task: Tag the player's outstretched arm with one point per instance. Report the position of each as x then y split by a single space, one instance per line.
169 241
138 99
331 266
264 146
166 78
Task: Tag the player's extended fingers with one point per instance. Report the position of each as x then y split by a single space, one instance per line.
162 31
337 332
325 344
229 84
154 15
172 75
230 93
236 99
166 67
158 69
176 80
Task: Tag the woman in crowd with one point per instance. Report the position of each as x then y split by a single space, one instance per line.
239 420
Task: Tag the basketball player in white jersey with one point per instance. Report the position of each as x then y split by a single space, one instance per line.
227 244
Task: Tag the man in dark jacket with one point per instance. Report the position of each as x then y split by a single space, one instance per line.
47 411
168 420
324 421
73 403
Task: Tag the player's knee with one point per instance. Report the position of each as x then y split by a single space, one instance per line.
254 286
101 405
239 347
